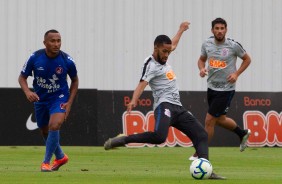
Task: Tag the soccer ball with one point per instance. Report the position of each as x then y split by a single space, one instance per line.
201 168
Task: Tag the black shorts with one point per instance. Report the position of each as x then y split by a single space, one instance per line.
219 102
167 114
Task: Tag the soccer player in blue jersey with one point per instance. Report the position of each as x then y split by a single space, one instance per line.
52 97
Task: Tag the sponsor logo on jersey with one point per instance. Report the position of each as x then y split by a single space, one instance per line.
40 68
170 75
51 88
59 70
217 63
219 85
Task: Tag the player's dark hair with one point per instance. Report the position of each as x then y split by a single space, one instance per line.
50 31
162 39
219 21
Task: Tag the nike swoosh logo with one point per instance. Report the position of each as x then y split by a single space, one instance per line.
30 125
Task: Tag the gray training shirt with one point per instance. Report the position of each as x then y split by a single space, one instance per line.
221 62
162 81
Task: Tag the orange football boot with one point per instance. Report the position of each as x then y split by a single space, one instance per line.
58 163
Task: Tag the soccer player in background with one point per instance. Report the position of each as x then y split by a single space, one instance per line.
168 110
221 54
52 96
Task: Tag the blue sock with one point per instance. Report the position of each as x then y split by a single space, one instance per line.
58 152
52 143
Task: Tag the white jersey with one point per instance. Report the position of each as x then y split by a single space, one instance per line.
221 62
162 81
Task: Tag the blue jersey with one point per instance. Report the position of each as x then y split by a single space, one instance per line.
50 74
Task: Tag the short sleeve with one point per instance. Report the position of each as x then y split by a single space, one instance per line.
203 50
28 66
148 72
239 50
72 71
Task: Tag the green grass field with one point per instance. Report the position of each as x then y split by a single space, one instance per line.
140 165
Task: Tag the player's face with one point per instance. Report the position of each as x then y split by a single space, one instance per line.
52 43
219 31
163 52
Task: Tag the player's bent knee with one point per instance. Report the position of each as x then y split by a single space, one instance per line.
54 126
210 123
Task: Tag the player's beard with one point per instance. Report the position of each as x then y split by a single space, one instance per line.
160 60
219 39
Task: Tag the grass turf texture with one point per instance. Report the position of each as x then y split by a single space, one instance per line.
139 165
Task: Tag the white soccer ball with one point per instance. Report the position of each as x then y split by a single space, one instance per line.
201 168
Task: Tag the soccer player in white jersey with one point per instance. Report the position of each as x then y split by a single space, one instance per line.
168 110
220 54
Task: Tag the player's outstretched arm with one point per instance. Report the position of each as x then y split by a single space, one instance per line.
136 94
183 27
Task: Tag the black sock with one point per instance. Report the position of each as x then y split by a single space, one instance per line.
239 132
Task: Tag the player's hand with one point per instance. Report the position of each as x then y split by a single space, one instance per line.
31 96
184 25
203 72
232 78
130 106
67 107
